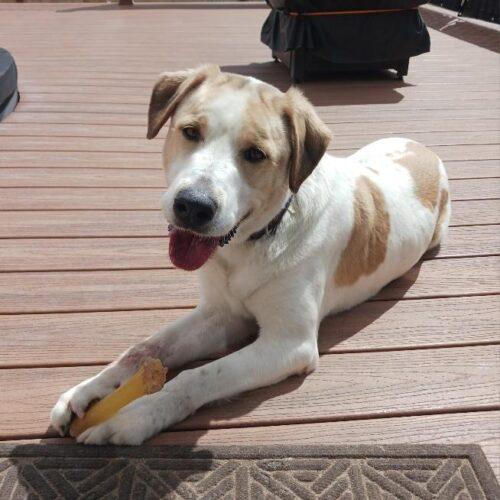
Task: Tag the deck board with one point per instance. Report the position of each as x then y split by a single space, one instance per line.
344 387
476 212
64 291
139 145
149 198
65 254
109 159
370 123
150 223
97 223
44 125
98 337
140 94
154 177
344 108
84 270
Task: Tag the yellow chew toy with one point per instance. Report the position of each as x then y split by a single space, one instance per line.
148 379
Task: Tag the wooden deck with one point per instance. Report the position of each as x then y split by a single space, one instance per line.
83 248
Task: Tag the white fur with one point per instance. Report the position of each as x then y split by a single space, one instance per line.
284 284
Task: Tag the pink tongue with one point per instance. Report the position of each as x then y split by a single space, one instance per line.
188 251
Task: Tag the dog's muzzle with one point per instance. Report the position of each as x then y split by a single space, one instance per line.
194 209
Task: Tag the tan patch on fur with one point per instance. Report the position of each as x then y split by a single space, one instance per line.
216 86
443 203
233 81
309 137
367 246
170 90
423 166
262 127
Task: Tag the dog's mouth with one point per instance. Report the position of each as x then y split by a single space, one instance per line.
189 250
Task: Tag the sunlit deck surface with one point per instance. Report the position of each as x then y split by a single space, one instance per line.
83 249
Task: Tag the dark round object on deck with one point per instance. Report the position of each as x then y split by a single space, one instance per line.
9 95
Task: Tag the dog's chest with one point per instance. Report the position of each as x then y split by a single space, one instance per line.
244 274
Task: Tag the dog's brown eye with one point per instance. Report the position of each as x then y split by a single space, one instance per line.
191 134
254 155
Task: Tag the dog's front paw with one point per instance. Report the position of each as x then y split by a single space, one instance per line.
60 416
74 402
132 425
139 420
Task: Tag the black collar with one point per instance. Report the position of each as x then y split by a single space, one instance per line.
272 227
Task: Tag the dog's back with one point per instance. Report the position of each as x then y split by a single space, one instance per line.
425 175
395 203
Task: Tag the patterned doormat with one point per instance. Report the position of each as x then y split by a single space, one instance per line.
239 472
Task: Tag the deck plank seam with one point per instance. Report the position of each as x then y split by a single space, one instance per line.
189 307
299 421
423 347
167 267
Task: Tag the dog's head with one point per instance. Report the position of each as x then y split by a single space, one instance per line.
235 149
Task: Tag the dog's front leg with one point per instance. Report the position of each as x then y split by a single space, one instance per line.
286 345
204 332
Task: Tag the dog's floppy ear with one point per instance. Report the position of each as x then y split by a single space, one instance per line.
170 89
309 137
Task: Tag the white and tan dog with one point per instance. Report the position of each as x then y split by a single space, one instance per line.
283 234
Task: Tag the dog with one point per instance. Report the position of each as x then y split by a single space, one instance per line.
282 233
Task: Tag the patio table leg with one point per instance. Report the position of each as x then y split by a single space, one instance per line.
297 65
402 68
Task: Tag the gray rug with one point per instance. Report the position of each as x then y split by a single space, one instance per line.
285 472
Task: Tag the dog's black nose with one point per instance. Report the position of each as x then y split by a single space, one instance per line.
194 209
